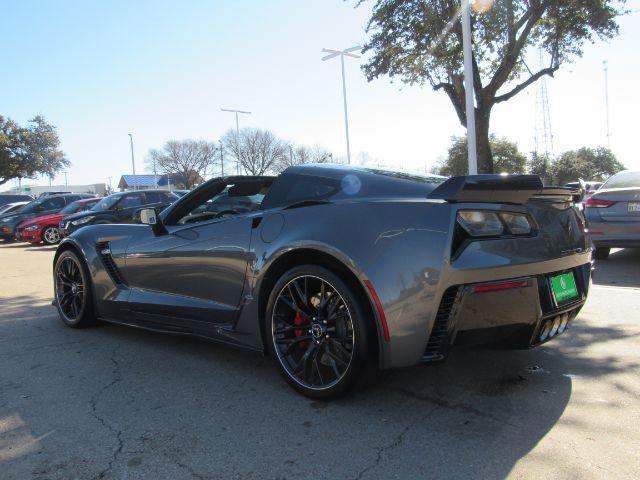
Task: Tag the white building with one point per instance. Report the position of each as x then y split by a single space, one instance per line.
37 190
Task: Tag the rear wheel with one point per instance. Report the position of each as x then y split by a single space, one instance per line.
602 253
317 332
51 236
72 286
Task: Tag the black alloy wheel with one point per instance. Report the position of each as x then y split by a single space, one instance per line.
317 332
72 290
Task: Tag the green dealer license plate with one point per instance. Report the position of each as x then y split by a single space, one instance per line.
564 287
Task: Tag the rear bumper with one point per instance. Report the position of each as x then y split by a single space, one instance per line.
615 234
512 318
516 318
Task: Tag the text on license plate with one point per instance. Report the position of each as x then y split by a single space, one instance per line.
564 287
634 207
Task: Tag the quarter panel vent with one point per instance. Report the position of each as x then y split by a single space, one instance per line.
104 251
438 345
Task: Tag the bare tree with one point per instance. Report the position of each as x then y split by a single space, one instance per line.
257 151
186 160
302 154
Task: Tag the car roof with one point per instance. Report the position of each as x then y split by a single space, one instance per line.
331 169
146 190
64 195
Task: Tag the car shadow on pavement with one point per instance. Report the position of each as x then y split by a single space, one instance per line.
115 402
620 269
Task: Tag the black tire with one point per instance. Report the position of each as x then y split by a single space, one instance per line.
51 236
601 253
333 343
73 295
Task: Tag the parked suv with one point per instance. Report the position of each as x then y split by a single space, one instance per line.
37 208
118 208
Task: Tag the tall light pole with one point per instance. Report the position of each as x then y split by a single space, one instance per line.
342 53
468 87
133 160
237 132
605 66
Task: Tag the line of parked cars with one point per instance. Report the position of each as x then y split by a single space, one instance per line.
51 217
611 209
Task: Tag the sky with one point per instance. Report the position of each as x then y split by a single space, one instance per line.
162 70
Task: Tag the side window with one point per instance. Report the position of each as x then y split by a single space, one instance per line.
132 200
292 188
54 203
235 199
71 199
168 197
152 197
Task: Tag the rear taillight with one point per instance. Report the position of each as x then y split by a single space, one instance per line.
598 203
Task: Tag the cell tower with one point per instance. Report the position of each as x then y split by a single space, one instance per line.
543 135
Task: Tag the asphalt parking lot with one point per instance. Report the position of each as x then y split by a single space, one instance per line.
117 403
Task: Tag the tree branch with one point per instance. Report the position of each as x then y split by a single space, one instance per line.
458 105
513 49
545 71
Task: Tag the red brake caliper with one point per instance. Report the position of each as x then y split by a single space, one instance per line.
298 321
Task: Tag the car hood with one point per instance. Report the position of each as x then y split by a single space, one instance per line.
52 218
76 216
15 218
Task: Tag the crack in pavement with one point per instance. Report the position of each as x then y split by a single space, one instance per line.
381 450
117 377
400 438
441 402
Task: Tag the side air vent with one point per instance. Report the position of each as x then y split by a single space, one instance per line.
107 260
439 340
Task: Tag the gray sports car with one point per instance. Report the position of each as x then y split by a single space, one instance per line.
335 269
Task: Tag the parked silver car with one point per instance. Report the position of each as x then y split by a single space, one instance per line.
613 213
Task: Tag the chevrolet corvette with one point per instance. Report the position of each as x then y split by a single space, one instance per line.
334 269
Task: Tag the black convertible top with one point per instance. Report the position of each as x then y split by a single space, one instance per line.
326 182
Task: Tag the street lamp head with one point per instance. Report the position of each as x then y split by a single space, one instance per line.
346 52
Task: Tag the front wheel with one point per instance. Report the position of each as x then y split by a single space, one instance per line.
72 286
51 236
317 332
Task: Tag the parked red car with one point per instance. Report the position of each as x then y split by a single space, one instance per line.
45 229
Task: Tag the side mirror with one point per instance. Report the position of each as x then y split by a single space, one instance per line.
149 216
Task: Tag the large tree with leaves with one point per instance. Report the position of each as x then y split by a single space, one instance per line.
420 42
29 151
586 164
506 155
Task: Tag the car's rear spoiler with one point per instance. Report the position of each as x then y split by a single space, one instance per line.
500 189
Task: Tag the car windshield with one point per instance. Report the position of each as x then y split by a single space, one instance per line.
623 180
32 206
72 207
11 208
107 202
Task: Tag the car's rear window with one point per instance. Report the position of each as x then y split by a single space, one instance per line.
623 180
